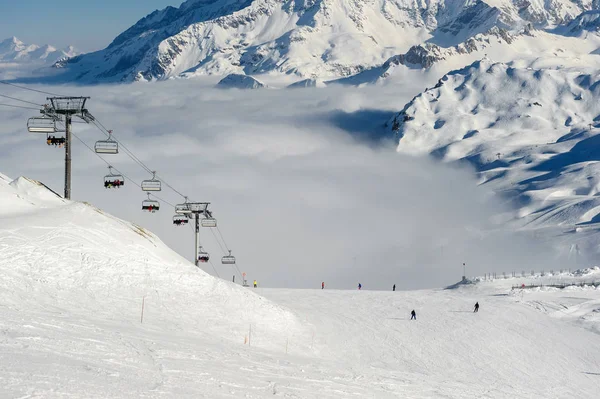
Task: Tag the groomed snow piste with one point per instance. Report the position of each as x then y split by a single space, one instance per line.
72 282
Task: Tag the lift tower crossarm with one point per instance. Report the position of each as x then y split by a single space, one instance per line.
69 107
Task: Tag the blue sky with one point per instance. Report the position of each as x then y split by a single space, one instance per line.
87 24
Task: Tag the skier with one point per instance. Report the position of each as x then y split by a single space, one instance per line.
323 285
359 286
255 284
413 315
394 287
476 307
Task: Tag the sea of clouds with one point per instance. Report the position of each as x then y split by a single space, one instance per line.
306 184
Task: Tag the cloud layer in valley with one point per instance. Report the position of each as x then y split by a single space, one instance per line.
304 184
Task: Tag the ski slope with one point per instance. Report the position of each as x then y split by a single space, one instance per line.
72 282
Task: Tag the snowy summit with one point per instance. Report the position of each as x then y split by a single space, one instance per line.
309 39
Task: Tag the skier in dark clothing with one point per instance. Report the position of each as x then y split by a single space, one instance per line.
323 285
476 307
413 315
394 287
359 286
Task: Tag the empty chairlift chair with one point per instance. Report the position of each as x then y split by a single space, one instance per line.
228 259
112 180
203 256
152 184
150 205
209 221
42 124
108 146
183 209
180 220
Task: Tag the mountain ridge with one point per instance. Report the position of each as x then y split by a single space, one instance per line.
307 39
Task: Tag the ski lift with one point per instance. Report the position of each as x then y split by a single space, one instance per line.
112 180
209 221
179 220
108 146
183 209
41 124
203 256
152 184
150 205
228 259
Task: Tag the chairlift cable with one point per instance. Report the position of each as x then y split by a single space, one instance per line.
30 89
214 268
118 171
131 155
18 99
136 159
218 242
221 234
18 106
168 185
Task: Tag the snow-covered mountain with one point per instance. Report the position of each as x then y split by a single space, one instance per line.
15 51
240 82
586 22
532 133
308 38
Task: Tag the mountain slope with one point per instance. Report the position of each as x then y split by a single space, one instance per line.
309 38
76 259
74 282
530 132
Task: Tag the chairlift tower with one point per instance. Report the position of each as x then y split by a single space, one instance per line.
194 210
69 107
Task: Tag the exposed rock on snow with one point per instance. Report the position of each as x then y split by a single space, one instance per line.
240 82
586 22
426 55
310 38
307 83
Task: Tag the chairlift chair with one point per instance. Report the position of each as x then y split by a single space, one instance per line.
182 209
112 180
203 256
152 184
41 124
55 141
179 220
150 205
108 146
228 259
209 221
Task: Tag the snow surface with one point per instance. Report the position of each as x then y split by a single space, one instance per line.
73 280
309 39
14 50
529 129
